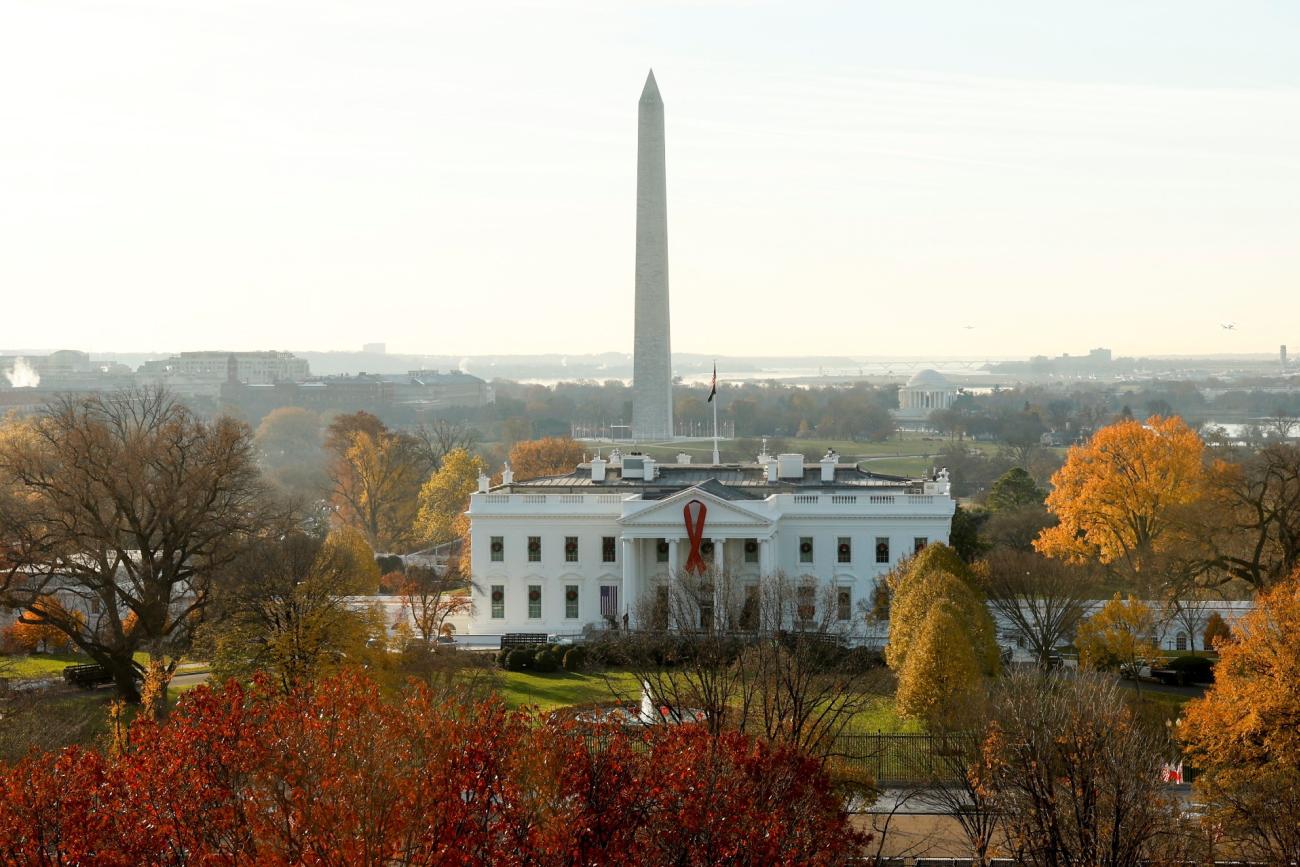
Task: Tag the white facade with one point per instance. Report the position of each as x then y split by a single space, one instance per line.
562 554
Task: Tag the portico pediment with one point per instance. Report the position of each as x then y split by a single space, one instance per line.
720 512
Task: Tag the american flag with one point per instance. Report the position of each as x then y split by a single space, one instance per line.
608 601
713 388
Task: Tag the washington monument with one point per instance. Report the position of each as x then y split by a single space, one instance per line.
652 378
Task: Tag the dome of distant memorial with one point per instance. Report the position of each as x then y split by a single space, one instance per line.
928 377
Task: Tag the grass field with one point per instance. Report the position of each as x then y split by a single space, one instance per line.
564 688
38 664
52 664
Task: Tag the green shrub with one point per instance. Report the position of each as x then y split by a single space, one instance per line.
545 661
519 660
606 651
575 659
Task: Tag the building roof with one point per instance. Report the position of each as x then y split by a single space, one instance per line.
747 481
928 377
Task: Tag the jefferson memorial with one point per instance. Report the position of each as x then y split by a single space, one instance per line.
924 393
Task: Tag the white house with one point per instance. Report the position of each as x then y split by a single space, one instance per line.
563 553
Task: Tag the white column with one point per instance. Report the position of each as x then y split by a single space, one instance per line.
719 604
766 573
631 579
672 584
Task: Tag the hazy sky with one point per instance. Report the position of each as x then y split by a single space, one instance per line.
859 178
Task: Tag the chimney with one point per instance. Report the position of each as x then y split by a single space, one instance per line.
828 464
483 483
598 465
649 468
771 469
507 474
790 466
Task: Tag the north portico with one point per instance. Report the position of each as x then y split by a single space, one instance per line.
567 553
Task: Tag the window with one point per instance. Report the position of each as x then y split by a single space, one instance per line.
608 549
570 549
498 601
844 603
659 611
705 604
498 549
805 549
919 543
882 549
571 601
751 550
534 601
609 602
807 603
844 550
534 549
1180 641
749 613
661 551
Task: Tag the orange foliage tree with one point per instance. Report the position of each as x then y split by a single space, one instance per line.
341 775
1126 497
33 630
1243 733
549 456
375 478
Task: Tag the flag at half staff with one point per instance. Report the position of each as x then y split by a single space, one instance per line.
713 389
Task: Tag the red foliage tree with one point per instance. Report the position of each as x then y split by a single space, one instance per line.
341 775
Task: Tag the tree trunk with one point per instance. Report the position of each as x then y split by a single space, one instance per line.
124 677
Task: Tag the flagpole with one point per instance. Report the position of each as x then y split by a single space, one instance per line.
716 459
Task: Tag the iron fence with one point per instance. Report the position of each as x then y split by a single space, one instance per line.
900 759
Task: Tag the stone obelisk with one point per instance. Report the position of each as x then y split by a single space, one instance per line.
652 378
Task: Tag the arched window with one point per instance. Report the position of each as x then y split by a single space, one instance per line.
1180 641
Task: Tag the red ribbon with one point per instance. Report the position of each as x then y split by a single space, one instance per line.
694 512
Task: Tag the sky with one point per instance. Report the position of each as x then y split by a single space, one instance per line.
851 178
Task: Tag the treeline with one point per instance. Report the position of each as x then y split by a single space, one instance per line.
1018 415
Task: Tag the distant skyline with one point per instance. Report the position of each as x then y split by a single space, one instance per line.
854 179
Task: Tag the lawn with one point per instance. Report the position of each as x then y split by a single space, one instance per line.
565 688
881 717
38 664
52 664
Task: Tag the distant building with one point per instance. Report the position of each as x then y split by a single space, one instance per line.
202 373
924 393
1282 356
64 362
397 399
29 382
